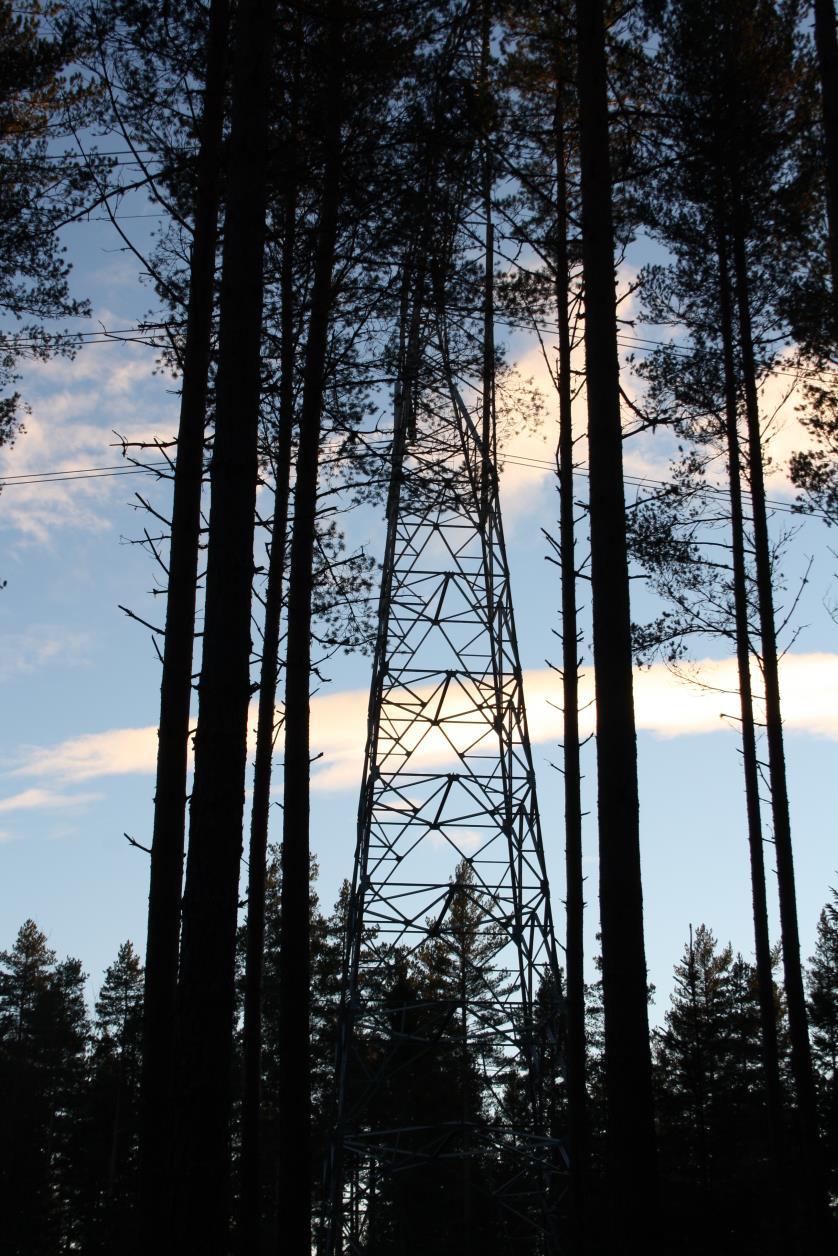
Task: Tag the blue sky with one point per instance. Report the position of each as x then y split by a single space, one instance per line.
79 681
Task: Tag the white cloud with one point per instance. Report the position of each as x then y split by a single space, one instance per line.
41 644
117 752
45 799
529 456
461 839
647 455
704 699
75 408
666 705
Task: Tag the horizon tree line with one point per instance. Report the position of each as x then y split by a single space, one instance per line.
69 1153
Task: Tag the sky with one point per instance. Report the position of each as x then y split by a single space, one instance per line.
79 679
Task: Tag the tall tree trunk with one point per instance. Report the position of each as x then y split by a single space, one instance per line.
762 942
205 990
295 947
574 906
250 1213
632 1167
488 434
161 961
801 1062
826 44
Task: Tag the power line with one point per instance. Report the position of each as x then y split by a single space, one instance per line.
99 152
70 475
133 335
648 482
644 344
100 336
531 462
116 218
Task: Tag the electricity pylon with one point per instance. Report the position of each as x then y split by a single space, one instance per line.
445 1080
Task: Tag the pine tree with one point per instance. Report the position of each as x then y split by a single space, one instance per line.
737 88
205 1008
44 1034
39 188
822 989
361 88
114 1103
826 44
445 1069
168 835
543 143
632 1155
326 953
27 971
711 1101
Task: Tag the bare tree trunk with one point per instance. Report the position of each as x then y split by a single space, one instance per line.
826 44
167 844
762 942
488 433
251 1150
633 1188
205 990
801 1062
575 904
295 943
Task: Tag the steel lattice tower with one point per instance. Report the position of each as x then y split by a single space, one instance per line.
449 868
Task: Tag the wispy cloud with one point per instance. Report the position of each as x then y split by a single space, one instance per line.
40 646
703 701
45 799
75 408
529 455
645 456
116 752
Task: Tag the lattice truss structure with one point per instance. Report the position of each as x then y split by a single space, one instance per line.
443 1079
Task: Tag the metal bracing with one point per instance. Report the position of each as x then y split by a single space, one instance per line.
451 985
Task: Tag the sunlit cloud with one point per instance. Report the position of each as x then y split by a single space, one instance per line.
75 409
646 456
701 699
117 752
45 800
529 456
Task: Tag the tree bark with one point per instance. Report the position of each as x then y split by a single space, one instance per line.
167 843
488 434
812 1183
251 1149
294 965
574 906
762 942
826 44
205 989
632 1163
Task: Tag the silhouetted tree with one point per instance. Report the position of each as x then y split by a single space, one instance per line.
631 1134
822 988
711 1100
113 1107
44 1032
168 836
40 189
206 976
